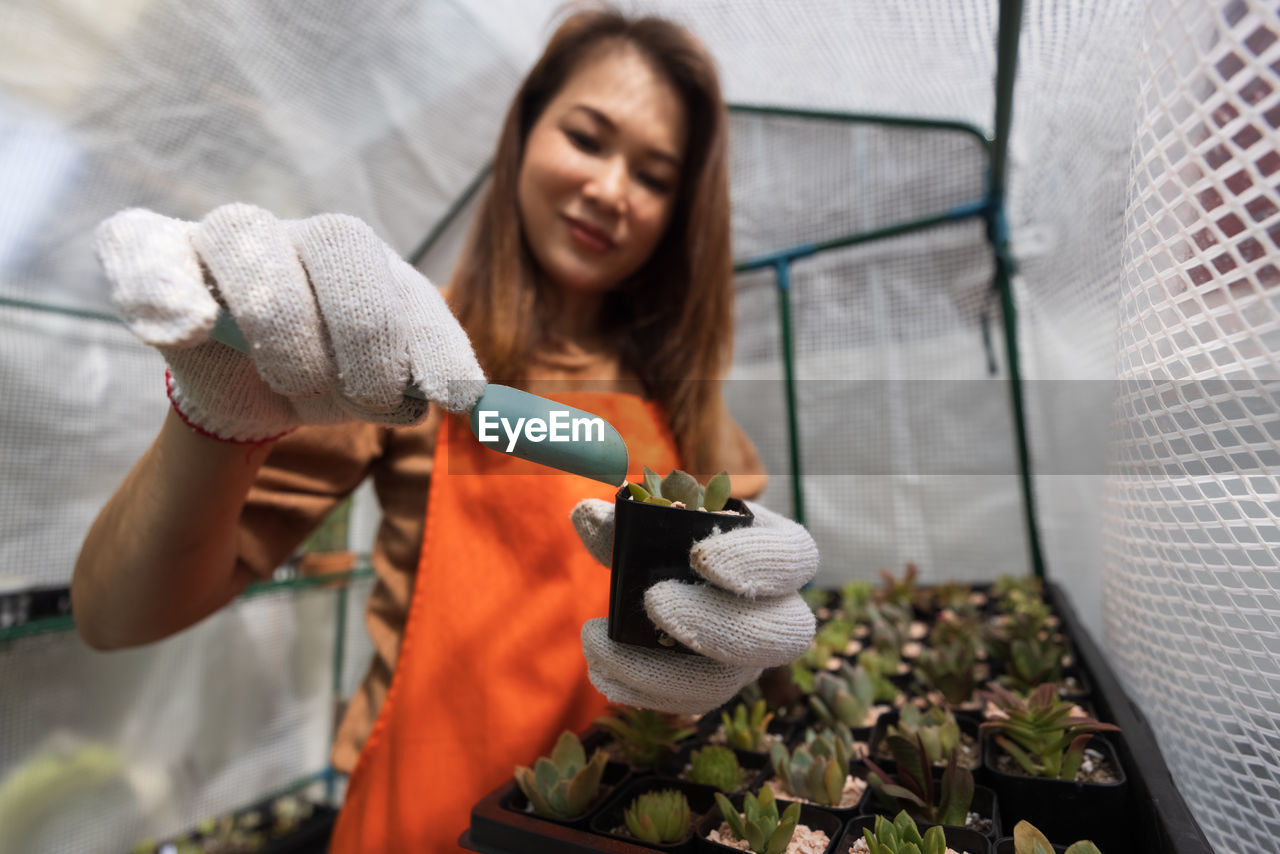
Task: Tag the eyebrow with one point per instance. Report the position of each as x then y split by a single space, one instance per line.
612 125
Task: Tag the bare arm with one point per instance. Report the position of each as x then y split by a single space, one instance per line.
162 553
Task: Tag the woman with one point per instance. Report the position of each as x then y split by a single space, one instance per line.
598 273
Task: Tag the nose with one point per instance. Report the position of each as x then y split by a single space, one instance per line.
608 186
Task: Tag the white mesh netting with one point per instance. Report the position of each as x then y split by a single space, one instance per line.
1192 542
388 112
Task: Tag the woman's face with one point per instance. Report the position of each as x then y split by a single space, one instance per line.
601 170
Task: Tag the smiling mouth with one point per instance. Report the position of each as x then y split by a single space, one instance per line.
589 236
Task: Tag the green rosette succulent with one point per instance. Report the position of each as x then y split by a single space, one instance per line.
715 765
1027 839
937 729
643 735
564 785
747 729
759 824
1044 734
843 697
902 836
682 487
816 770
660 817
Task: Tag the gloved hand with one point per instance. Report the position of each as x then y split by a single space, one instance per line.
337 323
748 616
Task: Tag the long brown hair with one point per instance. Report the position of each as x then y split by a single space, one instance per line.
673 317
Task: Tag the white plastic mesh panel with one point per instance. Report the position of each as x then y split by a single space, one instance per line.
906 442
82 399
1192 540
100 750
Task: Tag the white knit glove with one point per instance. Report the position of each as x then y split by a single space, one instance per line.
337 323
748 617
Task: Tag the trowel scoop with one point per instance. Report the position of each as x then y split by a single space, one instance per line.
515 422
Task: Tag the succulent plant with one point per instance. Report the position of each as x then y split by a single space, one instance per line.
1033 662
913 788
564 785
1027 839
956 598
816 770
643 735
855 596
902 836
899 591
759 823
1026 584
879 666
683 488
937 729
950 670
717 766
1044 734
661 817
836 633
747 730
843 697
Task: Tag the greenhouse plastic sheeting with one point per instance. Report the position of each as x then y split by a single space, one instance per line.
388 112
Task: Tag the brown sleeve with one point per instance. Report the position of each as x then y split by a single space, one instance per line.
306 475
401 478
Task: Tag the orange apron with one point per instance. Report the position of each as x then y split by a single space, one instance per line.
490 670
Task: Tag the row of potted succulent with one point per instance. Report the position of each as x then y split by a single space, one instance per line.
848 729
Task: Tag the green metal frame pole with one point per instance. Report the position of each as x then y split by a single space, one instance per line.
783 270
998 232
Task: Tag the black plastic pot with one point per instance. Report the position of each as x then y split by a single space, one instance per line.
958 838
651 544
1065 810
610 816
615 775
968 726
810 816
985 803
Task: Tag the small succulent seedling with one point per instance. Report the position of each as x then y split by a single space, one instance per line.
937 730
1045 734
914 790
902 836
956 598
899 591
1027 839
836 634
661 817
816 770
950 670
564 785
1006 584
759 824
681 488
716 765
1032 662
879 666
643 735
843 697
747 730
855 597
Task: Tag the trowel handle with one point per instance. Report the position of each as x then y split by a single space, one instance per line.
599 452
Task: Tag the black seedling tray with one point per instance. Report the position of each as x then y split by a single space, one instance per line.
1161 820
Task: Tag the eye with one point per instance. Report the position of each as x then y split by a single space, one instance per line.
583 141
654 183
